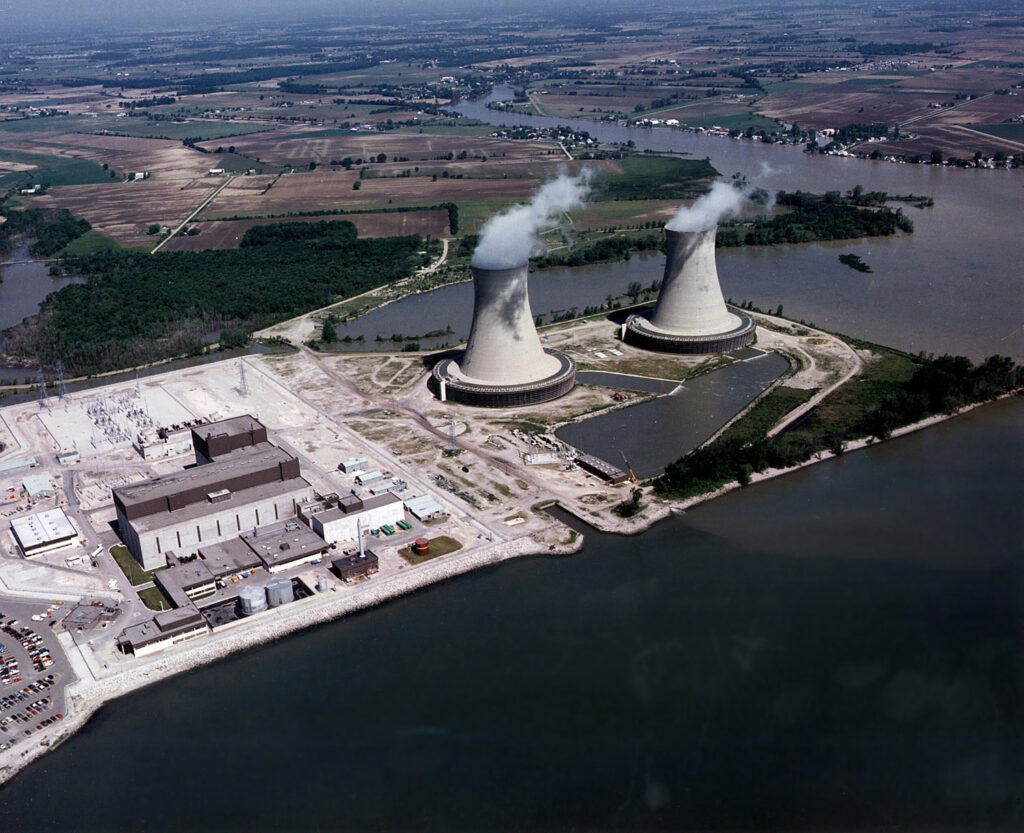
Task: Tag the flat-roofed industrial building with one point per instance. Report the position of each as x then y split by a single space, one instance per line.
247 487
43 532
163 631
217 439
337 519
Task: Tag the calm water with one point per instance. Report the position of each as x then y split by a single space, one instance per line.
653 434
838 648
23 287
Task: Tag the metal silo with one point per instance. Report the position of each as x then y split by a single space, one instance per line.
280 592
252 600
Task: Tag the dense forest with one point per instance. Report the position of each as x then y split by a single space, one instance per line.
813 217
936 386
136 307
51 229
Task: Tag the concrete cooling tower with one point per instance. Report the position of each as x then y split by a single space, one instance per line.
504 364
690 316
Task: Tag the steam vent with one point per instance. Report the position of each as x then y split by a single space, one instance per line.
690 316
504 364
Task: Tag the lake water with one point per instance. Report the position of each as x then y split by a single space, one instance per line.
840 647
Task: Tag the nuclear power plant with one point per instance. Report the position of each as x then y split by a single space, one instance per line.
504 364
690 315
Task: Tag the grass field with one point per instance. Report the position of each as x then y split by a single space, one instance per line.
644 177
442 545
50 170
90 242
204 130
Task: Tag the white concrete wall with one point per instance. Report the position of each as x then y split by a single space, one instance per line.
345 529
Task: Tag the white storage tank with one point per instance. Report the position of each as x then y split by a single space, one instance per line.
280 592
252 600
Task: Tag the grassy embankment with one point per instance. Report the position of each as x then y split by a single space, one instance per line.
130 567
441 545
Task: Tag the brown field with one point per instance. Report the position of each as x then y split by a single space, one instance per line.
163 158
989 110
822 109
123 210
951 139
227 234
321 190
280 148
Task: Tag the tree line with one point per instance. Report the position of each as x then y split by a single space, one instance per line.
937 386
50 229
136 307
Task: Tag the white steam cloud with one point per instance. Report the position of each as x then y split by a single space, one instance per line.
721 202
509 239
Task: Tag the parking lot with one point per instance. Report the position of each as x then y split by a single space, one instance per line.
35 670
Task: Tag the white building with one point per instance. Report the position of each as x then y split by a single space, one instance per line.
338 521
43 532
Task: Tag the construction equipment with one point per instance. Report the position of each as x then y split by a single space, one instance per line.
632 477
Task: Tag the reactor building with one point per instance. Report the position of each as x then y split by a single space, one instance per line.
504 364
690 315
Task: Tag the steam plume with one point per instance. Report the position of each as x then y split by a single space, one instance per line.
722 201
508 239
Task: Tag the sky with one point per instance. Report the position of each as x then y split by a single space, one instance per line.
114 15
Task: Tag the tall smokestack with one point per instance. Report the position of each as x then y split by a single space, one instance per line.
503 346
691 315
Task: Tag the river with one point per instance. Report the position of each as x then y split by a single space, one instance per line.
840 647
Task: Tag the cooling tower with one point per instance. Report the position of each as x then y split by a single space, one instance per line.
690 316
504 364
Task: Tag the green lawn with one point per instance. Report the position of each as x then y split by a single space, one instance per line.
129 566
441 545
154 599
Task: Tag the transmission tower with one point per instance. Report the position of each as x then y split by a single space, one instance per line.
243 383
41 381
62 390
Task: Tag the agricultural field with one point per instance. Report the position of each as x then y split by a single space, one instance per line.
123 210
227 234
298 149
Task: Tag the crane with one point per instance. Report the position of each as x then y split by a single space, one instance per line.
629 468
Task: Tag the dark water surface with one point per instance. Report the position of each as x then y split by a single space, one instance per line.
654 433
839 648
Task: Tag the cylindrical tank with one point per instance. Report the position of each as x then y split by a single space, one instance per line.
252 600
503 346
280 592
690 301
421 546
321 585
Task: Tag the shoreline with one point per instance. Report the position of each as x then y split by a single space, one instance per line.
90 691
88 694
665 508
